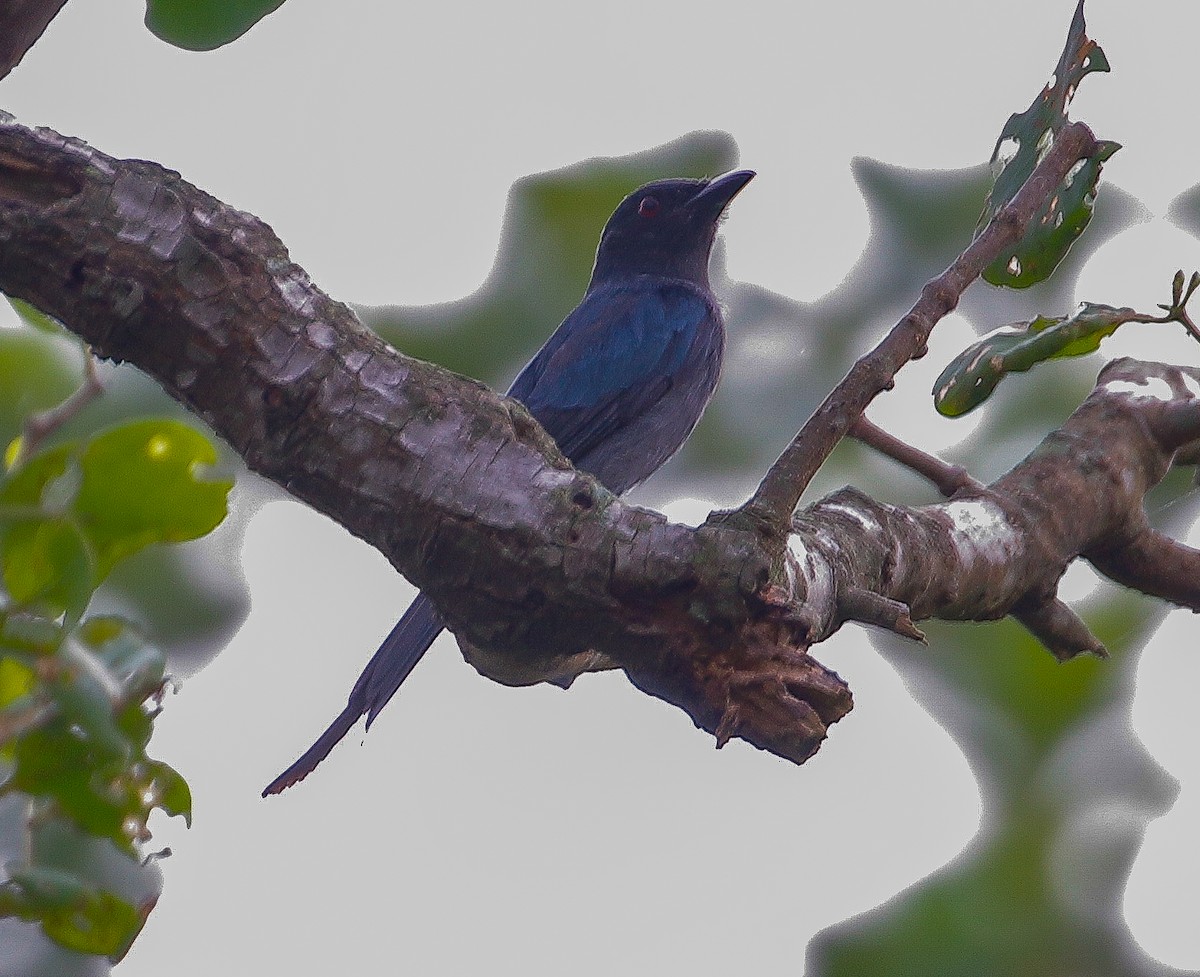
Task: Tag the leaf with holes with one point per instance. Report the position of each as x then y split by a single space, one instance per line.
971 376
1065 214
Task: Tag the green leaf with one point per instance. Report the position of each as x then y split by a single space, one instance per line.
174 795
89 757
59 764
201 25
994 911
104 797
970 377
130 486
127 656
1062 217
104 925
47 562
142 485
35 374
72 912
29 634
138 666
84 695
38 888
16 680
31 315
26 487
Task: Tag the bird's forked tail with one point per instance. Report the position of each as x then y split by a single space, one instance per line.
384 674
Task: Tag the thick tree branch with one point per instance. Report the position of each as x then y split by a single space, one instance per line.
539 571
1002 551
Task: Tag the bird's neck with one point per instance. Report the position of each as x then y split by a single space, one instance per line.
602 279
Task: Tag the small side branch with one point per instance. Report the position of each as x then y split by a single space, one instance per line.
38 427
779 493
946 478
1060 629
1154 564
865 607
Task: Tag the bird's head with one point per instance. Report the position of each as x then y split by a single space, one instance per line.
666 228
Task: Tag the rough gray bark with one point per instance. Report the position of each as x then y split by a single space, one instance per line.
539 571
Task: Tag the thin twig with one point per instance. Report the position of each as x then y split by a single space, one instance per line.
779 493
38 427
947 478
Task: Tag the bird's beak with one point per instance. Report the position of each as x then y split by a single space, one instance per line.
715 196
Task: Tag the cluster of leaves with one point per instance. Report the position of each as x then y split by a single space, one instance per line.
969 379
1066 213
79 694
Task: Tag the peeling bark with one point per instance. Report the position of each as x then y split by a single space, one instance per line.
537 569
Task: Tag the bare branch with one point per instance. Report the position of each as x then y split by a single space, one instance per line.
946 478
23 23
38 427
868 608
1154 564
1060 629
779 493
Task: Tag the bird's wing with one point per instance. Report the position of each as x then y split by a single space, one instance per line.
610 361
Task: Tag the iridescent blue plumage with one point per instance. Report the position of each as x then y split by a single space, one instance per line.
616 372
619 385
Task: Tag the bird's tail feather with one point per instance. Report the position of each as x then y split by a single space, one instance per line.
384 674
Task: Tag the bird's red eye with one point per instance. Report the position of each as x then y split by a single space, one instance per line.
648 207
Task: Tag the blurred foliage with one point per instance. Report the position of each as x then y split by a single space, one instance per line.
1039 891
1061 218
204 583
35 317
201 25
78 695
1185 211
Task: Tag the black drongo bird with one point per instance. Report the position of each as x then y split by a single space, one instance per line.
619 385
